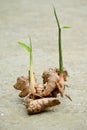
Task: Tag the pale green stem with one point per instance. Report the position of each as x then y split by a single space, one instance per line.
31 65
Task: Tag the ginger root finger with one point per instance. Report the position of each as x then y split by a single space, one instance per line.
50 78
22 84
37 106
24 93
60 89
49 88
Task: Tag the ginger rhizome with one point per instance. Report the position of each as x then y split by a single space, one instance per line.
46 93
39 97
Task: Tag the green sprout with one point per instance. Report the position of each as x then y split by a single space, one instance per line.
59 41
29 49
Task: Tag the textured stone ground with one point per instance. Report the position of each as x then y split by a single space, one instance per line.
20 18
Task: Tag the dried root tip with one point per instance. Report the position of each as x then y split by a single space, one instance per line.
60 89
68 97
37 106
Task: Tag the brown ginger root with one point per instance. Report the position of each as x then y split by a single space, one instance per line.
50 88
51 84
55 82
45 94
37 106
50 78
22 84
42 90
46 90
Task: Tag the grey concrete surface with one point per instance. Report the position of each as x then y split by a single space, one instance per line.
20 18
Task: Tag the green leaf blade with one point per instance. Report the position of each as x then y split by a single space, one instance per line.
56 17
25 46
66 27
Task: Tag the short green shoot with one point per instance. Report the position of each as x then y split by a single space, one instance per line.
29 49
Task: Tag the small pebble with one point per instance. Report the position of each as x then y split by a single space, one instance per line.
2 114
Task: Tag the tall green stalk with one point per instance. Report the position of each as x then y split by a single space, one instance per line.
59 43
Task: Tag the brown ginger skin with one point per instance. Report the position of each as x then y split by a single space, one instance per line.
65 73
42 90
37 106
50 79
49 88
45 94
55 84
22 84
